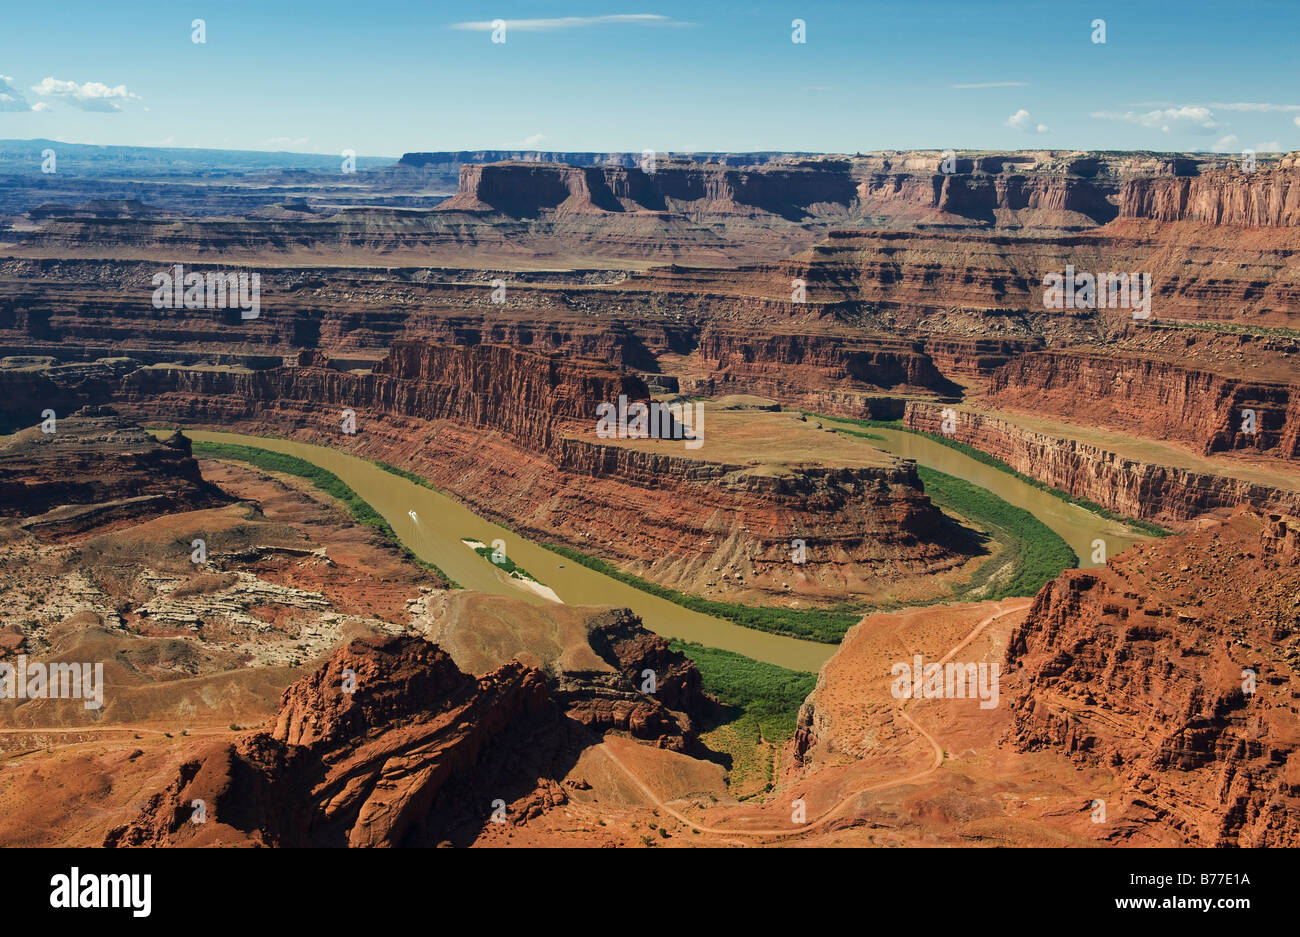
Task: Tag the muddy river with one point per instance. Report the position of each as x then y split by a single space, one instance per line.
434 526
440 523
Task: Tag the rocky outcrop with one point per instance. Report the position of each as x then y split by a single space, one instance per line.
527 396
1042 190
605 670
958 357
990 286
528 189
33 384
992 199
865 522
799 367
673 680
1135 488
356 757
1149 668
92 468
390 744
521 394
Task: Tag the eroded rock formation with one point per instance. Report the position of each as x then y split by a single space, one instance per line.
1161 399
512 432
357 768
1175 667
390 744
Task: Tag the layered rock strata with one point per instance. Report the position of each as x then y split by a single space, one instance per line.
389 743
1136 488
344 767
1208 411
91 468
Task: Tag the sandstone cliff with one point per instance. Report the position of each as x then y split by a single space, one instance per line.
389 743
1148 490
1157 398
1264 198
93 469
521 394
340 768
1044 190
794 367
512 433
525 190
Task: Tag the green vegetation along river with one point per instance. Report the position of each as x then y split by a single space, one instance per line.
1075 525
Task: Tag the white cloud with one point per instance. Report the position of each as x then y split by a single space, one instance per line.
992 84
571 22
11 99
40 106
1269 146
1021 120
535 140
91 96
1226 144
1297 121
1189 118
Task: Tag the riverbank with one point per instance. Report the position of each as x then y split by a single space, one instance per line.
327 482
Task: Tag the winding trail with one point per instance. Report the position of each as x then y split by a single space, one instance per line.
1020 605
15 757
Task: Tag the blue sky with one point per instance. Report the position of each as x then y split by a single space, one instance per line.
385 77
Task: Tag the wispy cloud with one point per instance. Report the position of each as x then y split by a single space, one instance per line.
535 140
1263 108
573 22
1190 118
992 84
90 96
1258 107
